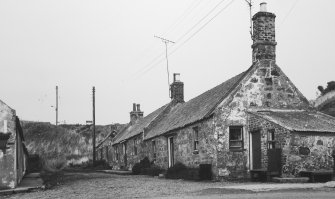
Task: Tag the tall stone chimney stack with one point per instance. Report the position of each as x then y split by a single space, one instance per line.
136 113
264 42
177 89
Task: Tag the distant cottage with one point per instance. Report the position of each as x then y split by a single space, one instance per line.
326 103
13 153
255 121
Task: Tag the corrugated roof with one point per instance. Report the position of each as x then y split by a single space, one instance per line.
195 109
306 121
132 130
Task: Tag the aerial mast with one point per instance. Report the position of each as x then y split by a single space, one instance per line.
249 2
166 41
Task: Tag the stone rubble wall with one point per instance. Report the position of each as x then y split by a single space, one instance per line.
8 159
301 151
265 86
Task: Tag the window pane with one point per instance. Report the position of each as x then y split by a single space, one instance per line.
235 137
235 134
196 145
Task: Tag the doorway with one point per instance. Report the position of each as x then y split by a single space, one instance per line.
171 151
256 150
125 153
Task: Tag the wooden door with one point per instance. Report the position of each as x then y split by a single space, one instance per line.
274 161
125 153
256 150
171 151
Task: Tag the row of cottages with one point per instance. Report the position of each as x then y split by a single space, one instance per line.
255 121
13 153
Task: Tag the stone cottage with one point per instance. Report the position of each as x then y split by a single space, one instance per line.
326 103
240 126
13 153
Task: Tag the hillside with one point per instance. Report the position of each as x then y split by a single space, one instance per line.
72 143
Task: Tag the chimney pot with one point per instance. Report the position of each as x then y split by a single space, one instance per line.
138 107
134 106
263 7
176 77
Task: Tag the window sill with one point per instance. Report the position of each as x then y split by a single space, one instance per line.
195 152
237 150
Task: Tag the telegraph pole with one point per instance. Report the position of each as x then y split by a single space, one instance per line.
166 56
93 91
56 105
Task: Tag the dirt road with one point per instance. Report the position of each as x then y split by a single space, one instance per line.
100 185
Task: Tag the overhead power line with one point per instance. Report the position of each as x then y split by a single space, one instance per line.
289 12
201 20
191 7
187 12
189 38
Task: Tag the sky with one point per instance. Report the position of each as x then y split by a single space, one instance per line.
78 44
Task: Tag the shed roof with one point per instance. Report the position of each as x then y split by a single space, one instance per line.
297 120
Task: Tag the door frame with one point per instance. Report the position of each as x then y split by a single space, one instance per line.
170 152
125 153
251 156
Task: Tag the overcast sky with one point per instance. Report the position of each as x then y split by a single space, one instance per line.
77 44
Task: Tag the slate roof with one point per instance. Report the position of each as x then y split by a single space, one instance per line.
195 109
132 130
181 114
302 121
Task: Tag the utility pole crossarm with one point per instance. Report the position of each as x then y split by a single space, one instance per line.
164 40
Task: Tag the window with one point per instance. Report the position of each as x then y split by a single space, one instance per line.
236 137
271 139
154 149
135 147
196 138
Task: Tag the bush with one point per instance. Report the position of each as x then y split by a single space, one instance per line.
145 163
136 169
177 171
146 168
54 165
154 170
139 168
